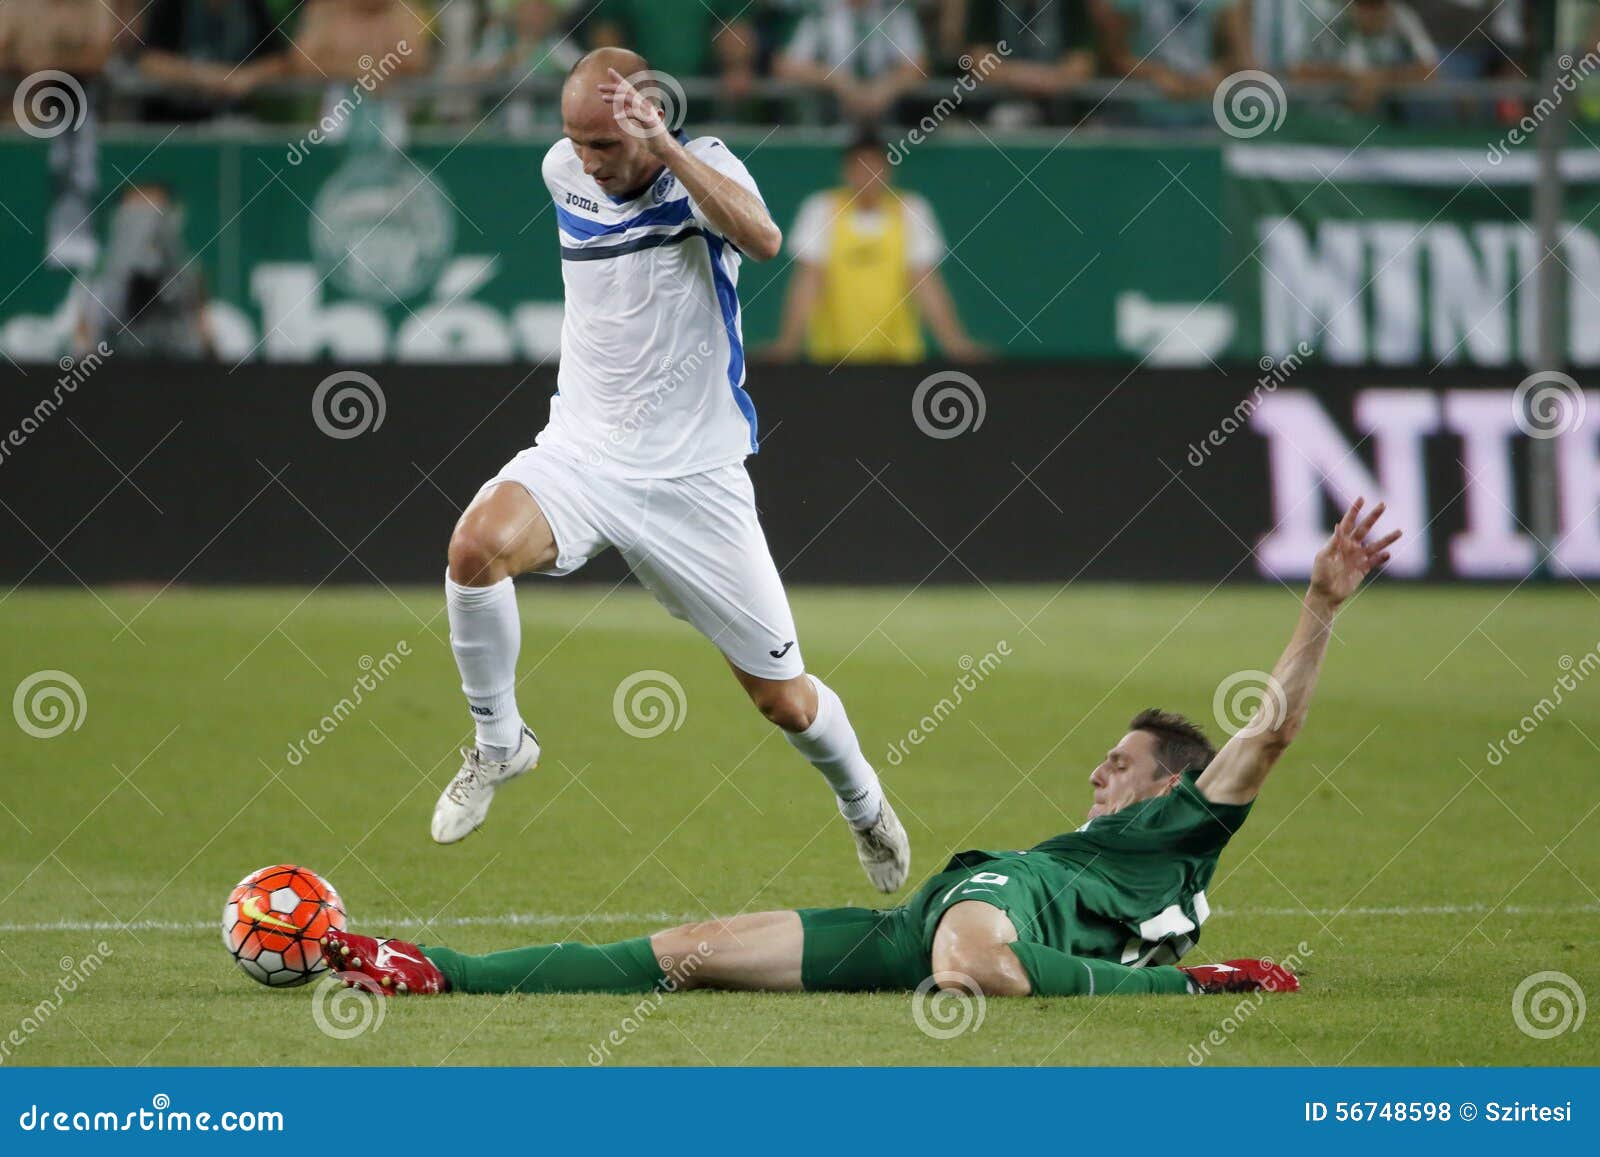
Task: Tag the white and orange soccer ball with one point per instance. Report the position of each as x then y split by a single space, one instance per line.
273 920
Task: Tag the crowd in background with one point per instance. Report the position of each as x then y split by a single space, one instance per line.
1051 61
866 254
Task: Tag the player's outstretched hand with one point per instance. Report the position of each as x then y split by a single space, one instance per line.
1349 557
636 113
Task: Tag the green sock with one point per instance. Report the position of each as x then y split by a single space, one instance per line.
1056 973
626 966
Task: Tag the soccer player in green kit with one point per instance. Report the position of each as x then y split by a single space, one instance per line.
1110 907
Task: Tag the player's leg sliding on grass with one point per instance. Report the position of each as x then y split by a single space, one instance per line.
1110 907
975 950
644 450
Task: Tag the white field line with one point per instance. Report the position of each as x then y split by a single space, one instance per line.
541 919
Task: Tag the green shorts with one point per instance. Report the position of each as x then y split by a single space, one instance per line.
870 949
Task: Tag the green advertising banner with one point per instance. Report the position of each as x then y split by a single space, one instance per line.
1392 248
448 250
1417 253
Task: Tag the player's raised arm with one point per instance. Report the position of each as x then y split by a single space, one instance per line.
1239 769
734 211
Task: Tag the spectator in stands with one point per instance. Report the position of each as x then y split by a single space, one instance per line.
1481 37
1374 46
335 36
365 43
866 277
148 300
1281 30
130 20
1186 48
1039 48
73 37
221 49
684 39
867 53
524 38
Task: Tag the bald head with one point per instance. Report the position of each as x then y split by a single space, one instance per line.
594 67
615 158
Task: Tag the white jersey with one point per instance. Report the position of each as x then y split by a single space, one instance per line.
651 383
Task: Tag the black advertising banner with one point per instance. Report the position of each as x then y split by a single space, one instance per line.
116 471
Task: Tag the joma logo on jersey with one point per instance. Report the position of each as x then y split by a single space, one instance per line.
582 203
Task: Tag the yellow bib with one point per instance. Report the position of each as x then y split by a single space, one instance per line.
866 313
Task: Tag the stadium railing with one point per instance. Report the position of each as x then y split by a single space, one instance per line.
811 107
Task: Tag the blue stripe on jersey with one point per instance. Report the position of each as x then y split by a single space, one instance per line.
728 300
671 213
634 245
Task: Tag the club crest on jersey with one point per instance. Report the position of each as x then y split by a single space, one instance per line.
663 187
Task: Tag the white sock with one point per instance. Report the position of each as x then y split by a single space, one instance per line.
486 635
831 746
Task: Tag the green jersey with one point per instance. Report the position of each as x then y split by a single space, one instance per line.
1129 887
1142 872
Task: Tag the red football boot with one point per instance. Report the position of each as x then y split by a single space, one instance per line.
1238 976
390 967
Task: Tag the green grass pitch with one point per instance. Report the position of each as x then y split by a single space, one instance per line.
1424 882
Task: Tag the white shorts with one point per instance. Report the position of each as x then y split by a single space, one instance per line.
694 542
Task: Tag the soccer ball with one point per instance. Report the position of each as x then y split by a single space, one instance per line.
273 920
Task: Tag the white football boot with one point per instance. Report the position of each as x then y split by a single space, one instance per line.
884 850
464 805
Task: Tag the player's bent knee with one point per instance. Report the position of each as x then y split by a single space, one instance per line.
682 952
480 550
785 706
473 557
501 535
673 948
991 968
972 949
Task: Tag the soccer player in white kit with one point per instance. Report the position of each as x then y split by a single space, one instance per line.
645 449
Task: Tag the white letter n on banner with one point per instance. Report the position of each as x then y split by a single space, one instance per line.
1309 457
